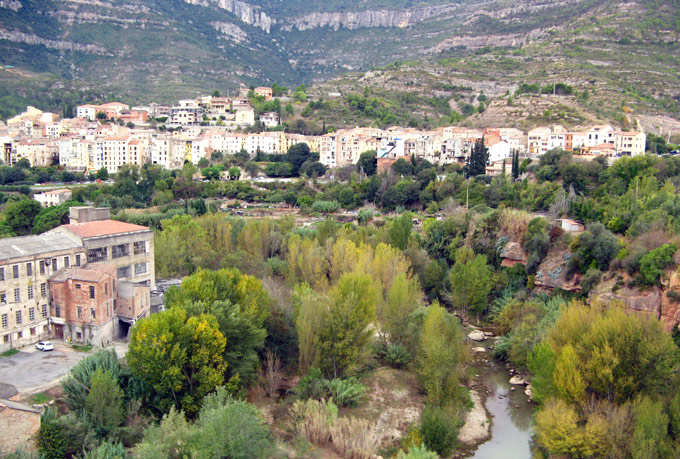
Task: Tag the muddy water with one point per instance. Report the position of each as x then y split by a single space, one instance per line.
511 416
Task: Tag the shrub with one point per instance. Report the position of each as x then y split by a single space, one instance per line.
439 428
77 383
311 385
354 438
313 420
107 451
346 392
231 428
653 263
396 355
590 280
325 207
417 452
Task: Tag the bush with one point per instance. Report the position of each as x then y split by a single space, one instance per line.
396 355
313 420
346 392
311 385
107 451
231 428
590 280
417 452
653 263
355 438
439 429
325 207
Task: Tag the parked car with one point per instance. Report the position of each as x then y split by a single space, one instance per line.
44 346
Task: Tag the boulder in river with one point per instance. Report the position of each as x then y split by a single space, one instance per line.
517 381
476 336
478 349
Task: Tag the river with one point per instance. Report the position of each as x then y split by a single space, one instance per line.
511 415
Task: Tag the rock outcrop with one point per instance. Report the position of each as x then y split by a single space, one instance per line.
247 13
512 254
364 19
30 39
230 31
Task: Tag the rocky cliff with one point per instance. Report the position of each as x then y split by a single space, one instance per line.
247 13
366 19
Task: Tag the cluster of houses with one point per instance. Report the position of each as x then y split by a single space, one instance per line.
85 144
88 281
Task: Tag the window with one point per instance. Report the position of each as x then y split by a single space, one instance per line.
93 313
17 295
55 265
5 323
2 274
140 268
80 312
3 298
78 286
67 262
18 316
20 335
106 288
33 331
30 292
29 269
43 290
42 266
92 291
15 271
123 272
140 247
78 260
5 339
94 255
44 310
57 311
31 314
121 250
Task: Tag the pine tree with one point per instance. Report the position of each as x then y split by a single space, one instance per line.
478 159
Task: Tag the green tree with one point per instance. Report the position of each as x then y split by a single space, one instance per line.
180 359
20 215
368 162
53 216
309 312
477 160
234 173
102 174
403 298
470 282
344 337
400 230
441 357
104 403
650 438
181 247
652 264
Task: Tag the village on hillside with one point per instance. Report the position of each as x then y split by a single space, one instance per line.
114 134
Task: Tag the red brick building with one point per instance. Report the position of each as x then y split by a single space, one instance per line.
83 302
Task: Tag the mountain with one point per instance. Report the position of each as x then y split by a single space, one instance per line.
141 50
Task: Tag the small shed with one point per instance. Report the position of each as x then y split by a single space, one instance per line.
571 226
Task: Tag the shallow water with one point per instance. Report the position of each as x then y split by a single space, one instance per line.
511 414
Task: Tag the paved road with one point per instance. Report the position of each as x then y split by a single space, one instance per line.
31 370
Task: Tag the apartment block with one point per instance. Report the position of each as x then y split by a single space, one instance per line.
26 264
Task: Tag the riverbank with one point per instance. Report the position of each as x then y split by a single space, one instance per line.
499 424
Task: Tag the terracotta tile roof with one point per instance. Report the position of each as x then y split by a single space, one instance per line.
102 228
89 273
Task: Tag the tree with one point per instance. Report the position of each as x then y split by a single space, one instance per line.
344 337
234 173
102 174
515 165
477 160
558 431
309 313
441 357
402 167
77 384
20 215
652 264
400 230
100 116
180 359
470 281
368 162
403 298
231 428
104 403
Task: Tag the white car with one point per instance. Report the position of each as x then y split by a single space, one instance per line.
44 346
